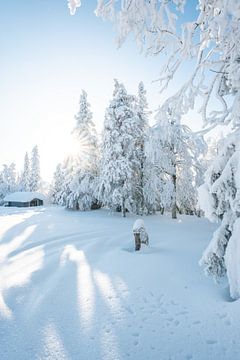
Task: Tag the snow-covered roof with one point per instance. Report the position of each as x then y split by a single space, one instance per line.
24 196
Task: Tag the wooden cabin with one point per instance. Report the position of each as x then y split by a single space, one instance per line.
24 199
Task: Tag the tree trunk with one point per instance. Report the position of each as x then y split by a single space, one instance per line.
174 205
137 241
123 208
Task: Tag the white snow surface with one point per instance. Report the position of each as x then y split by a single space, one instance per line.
232 257
138 225
24 196
72 287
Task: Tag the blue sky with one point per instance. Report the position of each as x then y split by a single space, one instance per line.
47 57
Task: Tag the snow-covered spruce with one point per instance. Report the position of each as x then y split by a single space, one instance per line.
141 175
8 180
121 153
35 178
84 173
56 188
25 178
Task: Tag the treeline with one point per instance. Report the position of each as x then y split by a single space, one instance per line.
134 167
28 180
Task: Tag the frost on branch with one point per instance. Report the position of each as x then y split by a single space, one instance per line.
73 5
222 186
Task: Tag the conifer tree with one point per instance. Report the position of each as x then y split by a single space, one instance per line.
35 179
140 141
25 178
85 169
119 160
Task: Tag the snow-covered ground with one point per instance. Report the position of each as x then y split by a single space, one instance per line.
72 287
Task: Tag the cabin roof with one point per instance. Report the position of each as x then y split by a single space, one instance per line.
23 196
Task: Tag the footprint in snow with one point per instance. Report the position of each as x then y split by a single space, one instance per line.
182 313
211 342
227 322
197 322
222 316
135 334
129 309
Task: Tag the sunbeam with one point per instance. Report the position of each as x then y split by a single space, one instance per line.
85 289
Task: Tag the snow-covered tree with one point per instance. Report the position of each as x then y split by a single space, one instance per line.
56 189
157 185
25 178
8 180
219 197
35 179
85 169
141 115
212 40
119 156
175 151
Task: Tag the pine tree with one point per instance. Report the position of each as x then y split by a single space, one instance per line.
8 181
35 179
56 191
119 160
25 178
85 169
140 141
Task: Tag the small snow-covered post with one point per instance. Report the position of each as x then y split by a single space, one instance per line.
140 234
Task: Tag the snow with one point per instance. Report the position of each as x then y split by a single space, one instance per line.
72 287
232 257
138 225
73 5
24 196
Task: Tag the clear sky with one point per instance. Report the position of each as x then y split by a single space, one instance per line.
47 57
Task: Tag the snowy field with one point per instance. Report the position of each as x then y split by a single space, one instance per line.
72 287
